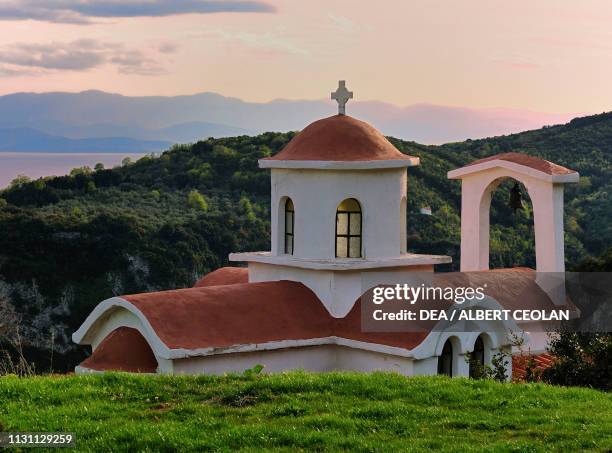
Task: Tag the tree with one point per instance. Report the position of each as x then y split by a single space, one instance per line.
197 201
582 359
19 181
127 161
85 170
99 166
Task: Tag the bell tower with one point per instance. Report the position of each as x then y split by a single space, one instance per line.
544 181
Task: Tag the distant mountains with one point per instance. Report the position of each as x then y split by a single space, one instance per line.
98 121
31 140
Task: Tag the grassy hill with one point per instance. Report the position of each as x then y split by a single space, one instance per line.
66 243
330 411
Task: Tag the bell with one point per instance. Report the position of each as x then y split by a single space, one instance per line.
516 200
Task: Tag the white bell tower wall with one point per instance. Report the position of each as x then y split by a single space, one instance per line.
546 192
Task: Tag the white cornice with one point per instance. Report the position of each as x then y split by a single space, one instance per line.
341 264
339 165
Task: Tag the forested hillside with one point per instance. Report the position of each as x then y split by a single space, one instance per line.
66 243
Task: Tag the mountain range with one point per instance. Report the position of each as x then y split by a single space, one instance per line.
97 121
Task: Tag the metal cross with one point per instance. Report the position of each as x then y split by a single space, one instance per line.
342 95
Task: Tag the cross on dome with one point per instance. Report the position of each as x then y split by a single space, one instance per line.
342 95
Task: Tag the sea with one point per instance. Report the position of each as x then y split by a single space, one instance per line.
36 165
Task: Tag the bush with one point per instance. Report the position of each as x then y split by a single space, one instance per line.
496 371
581 359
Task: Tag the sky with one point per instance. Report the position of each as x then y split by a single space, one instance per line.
545 55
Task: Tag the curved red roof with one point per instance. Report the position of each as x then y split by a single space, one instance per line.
255 313
229 315
224 276
536 163
350 328
124 349
339 138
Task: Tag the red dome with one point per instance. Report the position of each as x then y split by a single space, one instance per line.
339 138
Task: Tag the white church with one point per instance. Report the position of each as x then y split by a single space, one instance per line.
338 203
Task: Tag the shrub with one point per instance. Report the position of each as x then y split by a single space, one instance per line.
581 359
532 372
496 371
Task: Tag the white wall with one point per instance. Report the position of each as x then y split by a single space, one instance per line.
316 195
338 290
313 358
357 360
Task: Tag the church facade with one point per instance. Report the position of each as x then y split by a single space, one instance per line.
338 214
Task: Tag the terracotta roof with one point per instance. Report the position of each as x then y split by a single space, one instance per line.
511 269
350 327
513 289
229 315
339 138
254 313
120 344
536 163
224 276
521 362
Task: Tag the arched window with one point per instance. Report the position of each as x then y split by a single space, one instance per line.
477 358
289 225
445 361
348 229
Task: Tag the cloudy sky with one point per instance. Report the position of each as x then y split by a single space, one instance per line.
544 55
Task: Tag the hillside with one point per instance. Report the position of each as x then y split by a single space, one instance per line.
67 243
295 411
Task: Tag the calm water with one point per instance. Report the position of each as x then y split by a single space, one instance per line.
36 165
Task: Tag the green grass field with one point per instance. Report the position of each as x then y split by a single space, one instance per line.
303 411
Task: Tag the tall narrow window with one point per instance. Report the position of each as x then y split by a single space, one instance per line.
445 361
289 225
348 229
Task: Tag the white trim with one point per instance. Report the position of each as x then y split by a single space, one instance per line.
82 370
268 346
462 172
79 369
340 264
81 336
286 344
339 164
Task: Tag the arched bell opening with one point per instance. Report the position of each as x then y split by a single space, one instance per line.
511 225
